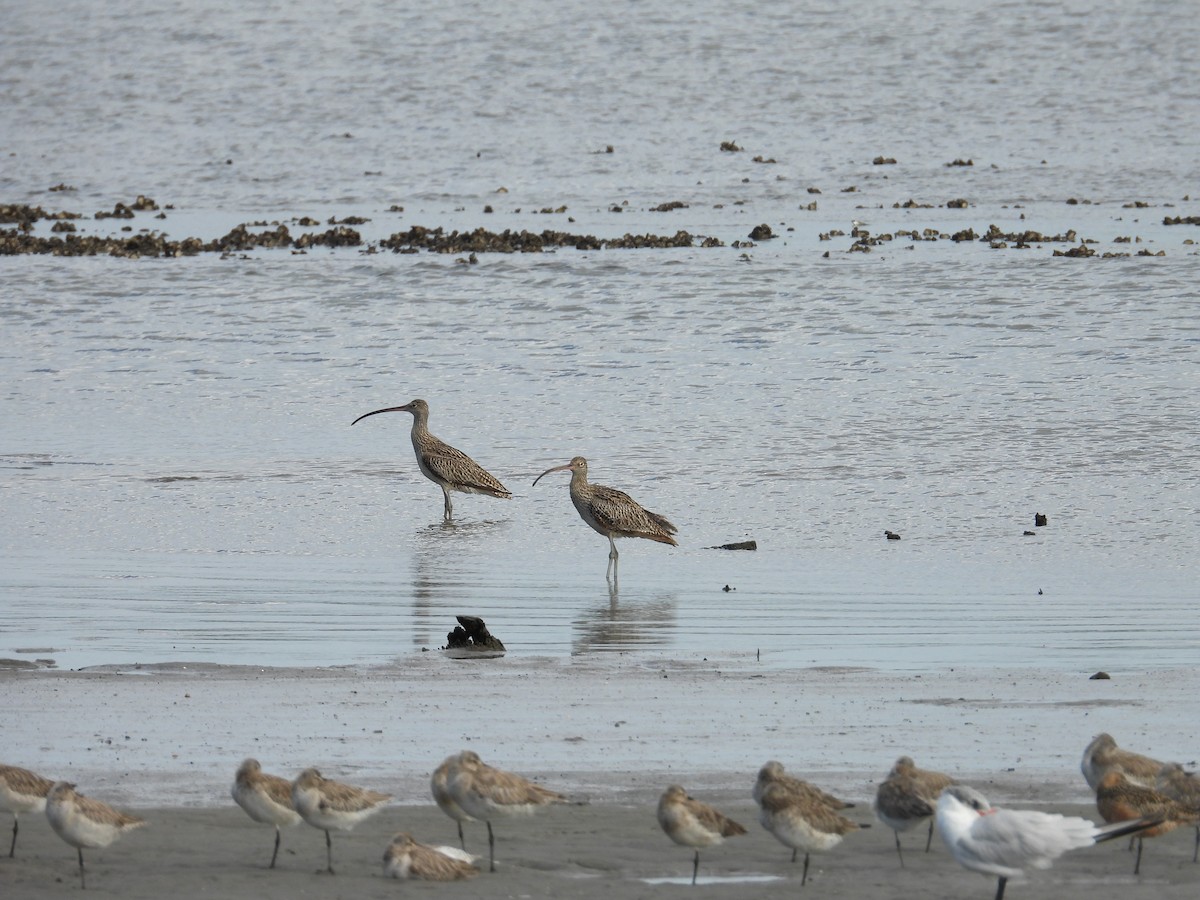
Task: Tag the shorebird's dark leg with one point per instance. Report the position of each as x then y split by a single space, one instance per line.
276 853
328 853
82 877
1000 888
461 840
448 512
1138 862
13 849
929 840
898 851
695 866
491 848
804 877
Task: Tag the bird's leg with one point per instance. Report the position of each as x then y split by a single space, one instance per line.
329 853
1196 851
13 849
928 840
804 877
1138 862
898 851
448 512
82 877
462 840
612 559
1000 888
793 854
695 866
276 853
491 848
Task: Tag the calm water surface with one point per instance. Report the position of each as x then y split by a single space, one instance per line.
179 476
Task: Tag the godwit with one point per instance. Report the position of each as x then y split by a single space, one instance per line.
1005 842
1118 798
265 798
612 513
448 468
406 858
1103 753
691 823
773 775
22 791
84 822
908 796
802 822
439 785
484 793
327 804
1184 788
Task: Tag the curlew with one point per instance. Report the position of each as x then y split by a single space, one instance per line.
612 513
1184 788
907 797
448 468
772 774
439 785
1005 842
21 791
407 858
802 821
84 822
690 823
484 793
1118 798
327 804
1103 753
265 798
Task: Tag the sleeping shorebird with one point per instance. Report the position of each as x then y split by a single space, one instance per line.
265 798
1103 753
22 791
772 774
907 797
1118 798
1184 788
327 804
612 513
484 793
448 468
802 821
84 822
1005 842
691 823
439 786
406 858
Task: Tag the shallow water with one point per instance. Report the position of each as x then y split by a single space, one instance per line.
180 479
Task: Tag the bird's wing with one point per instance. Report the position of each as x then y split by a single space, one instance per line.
454 466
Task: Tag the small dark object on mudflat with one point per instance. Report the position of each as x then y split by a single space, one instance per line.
1028 533
1039 519
471 634
740 545
1100 676
891 535
727 589
761 233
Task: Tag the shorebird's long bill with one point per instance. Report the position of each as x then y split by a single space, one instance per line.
562 468
378 411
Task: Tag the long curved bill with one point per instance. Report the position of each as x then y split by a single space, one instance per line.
562 468
378 411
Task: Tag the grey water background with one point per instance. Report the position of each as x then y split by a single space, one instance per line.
178 473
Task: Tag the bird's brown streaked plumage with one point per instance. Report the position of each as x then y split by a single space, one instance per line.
691 823
773 773
84 822
407 858
612 513
908 796
1184 788
439 786
447 467
484 792
22 791
327 804
265 798
1118 798
803 822
1103 753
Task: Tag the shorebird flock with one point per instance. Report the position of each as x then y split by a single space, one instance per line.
608 511
1135 795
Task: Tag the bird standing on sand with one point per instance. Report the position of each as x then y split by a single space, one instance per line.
1118 798
908 796
1005 842
22 791
448 468
1103 753
1184 788
84 822
407 858
690 823
612 513
802 821
265 798
773 774
327 804
484 793
439 786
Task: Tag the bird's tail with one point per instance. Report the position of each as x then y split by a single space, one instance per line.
1129 826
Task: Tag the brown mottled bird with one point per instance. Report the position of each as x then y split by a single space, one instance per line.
448 468
406 858
1103 753
265 798
612 513
84 822
1184 788
908 796
22 791
690 823
1118 798
772 774
439 786
325 804
803 822
483 793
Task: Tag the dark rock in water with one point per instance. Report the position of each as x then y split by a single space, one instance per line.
740 545
472 634
1100 676
761 233
891 535
1039 519
1029 533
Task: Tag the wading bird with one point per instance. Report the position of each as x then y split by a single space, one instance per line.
690 823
